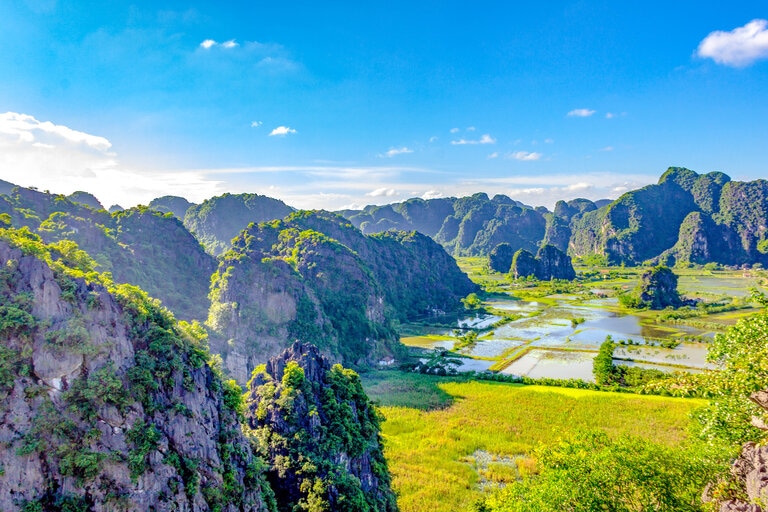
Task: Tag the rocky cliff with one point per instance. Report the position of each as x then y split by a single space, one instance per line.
106 403
465 226
549 263
319 434
314 277
138 246
216 221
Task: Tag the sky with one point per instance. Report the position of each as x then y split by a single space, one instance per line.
342 104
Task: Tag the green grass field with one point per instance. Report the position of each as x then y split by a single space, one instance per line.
435 426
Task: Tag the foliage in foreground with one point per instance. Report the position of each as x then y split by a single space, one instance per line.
427 450
591 472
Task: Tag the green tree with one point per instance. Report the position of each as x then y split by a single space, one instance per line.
742 355
591 472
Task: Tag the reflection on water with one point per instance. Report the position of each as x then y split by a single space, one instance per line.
554 365
551 327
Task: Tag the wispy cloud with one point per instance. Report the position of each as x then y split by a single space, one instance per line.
484 139
525 156
382 192
454 130
282 131
395 151
740 47
26 128
581 112
256 124
434 138
607 148
493 155
212 43
610 115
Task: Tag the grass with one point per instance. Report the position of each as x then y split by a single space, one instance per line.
433 425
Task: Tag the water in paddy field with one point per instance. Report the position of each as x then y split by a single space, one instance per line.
559 349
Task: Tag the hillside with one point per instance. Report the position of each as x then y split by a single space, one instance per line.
315 277
105 402
216 221
138 246
685 218
466 226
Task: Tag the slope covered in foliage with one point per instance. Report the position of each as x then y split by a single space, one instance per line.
138 246
216 221
319 434
315 277
466 226
106 403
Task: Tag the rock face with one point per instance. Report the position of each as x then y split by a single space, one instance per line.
138 246
750 470
549 263
216 221
465 226
500 258
319 433
658 288
105 402
314 277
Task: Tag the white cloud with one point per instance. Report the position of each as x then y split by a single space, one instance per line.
26 128
256 124
454 130
471 128
740 47
382 192
484 139
581 112
58 158
396 151
434 138
211 43
525 156
282 131
431 194
549 141
610 115
493 155
607 148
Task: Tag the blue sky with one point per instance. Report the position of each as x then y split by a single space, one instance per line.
340 104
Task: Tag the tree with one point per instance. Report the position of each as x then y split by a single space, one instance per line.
591 471
742 355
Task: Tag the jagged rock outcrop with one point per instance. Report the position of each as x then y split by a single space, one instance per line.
315 277
319 433
554 264
178 206
524 264
465 226
105 402
549 263
500 258
138 246
216 221
657 289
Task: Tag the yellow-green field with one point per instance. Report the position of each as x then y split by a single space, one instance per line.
430 452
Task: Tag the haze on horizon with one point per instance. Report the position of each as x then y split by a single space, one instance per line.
337 106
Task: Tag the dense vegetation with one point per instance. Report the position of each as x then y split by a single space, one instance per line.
137 246
216 221
316 278
319 433
686 218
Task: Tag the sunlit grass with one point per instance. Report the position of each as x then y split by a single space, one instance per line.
427 449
